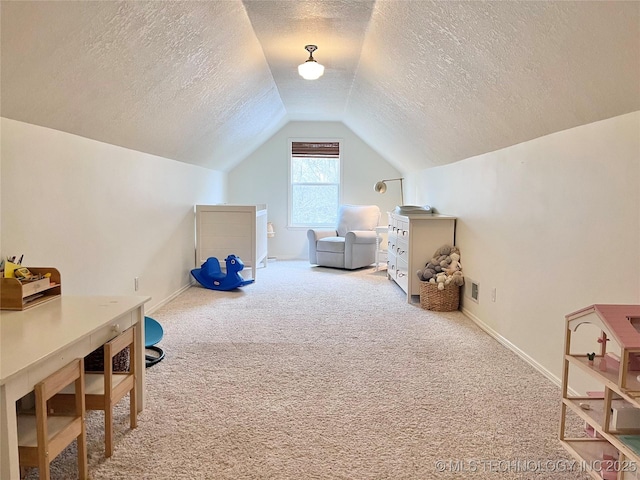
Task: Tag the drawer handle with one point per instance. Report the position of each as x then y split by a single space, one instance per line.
400 252
115 328
401 274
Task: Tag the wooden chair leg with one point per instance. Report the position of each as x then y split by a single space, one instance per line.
43 468
133 410
83 468
108 431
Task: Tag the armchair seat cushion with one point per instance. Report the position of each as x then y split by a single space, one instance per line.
331 244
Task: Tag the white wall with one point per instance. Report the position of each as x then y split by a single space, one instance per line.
263 178
553 224
99 213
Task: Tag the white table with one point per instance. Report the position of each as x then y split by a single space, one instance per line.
37 342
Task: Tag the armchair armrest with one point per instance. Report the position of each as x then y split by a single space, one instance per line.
359 248
313 236
361 236
320 234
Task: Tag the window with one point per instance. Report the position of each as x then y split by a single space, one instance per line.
314 193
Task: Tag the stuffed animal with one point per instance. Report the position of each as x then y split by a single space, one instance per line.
443 268
441 259
454 264
457 278
443 250
440 279
430 270
427 273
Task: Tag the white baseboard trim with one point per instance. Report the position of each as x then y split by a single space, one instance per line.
168 299
524 356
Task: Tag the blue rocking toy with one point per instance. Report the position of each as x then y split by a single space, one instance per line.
210 276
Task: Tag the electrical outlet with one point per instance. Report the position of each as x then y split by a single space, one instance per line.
136 284
493 294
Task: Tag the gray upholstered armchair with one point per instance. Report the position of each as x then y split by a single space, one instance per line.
352 245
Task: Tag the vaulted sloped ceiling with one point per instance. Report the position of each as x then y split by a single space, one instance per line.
424 83
183 80
442 81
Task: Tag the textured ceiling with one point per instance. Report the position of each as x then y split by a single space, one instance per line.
424 83
442 81
183 80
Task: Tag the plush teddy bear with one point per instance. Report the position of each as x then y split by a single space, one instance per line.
446 250
440 279
457 278
434 266
430 270
427 273
454 264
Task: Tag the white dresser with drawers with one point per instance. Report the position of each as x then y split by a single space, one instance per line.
412 241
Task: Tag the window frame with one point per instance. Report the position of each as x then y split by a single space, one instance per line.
290 141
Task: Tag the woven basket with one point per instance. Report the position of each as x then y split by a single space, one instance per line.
447 300
94 362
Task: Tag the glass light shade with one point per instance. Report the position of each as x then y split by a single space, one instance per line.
310 70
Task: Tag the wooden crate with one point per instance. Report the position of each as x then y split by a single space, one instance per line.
15 295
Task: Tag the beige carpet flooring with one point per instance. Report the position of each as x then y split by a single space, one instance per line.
314 373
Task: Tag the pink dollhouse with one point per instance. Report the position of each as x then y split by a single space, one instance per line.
612 415
620 323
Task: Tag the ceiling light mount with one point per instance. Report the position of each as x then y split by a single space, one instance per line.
311 69
311 49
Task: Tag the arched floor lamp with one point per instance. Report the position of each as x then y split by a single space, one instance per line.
381 187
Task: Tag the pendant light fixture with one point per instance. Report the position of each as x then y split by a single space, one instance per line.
310 70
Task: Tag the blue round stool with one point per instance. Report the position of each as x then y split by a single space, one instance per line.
153 333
